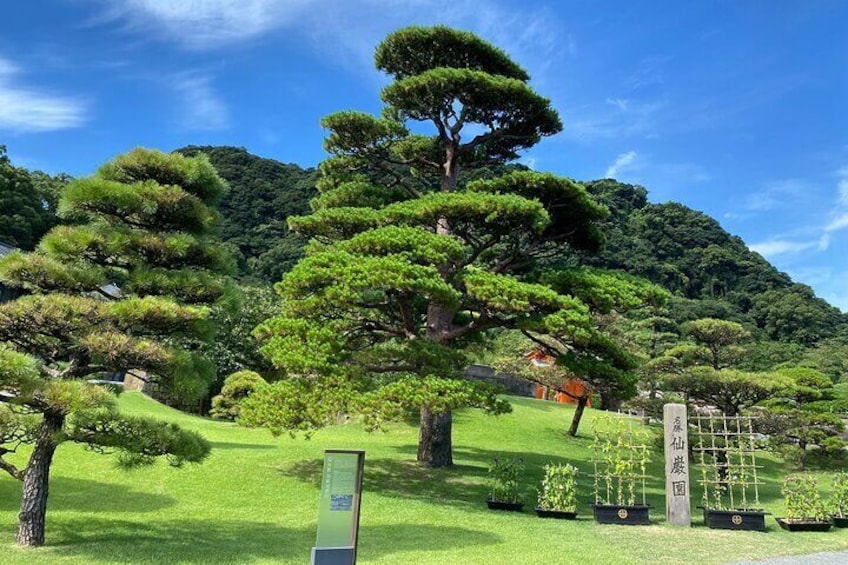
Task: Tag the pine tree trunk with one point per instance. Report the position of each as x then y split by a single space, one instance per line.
434 440
31 520
578 415
435 443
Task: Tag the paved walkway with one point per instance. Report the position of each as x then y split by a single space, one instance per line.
827 558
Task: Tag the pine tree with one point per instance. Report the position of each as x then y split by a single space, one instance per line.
106 294
407 265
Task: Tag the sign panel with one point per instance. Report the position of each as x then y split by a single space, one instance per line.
338 510
678 509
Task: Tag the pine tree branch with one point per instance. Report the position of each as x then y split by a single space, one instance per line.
9 468
481 324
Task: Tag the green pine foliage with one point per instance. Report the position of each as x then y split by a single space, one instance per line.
409 264
116 290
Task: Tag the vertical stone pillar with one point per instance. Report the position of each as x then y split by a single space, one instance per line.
678 510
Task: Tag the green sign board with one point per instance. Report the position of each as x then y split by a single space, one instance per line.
338 511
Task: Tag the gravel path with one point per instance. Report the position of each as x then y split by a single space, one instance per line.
827 558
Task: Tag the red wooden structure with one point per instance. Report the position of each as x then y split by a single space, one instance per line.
568 392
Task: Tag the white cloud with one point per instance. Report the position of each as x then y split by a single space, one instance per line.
842 186
529 162
775 247
838 223
650 71
201 107
201 24
7 68
839 218
620 103
621 162
617 120
779 193
346 30
27 110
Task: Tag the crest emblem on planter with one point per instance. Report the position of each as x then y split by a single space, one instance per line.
736 519
622 513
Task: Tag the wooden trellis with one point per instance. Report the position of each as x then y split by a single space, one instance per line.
620 459
726 455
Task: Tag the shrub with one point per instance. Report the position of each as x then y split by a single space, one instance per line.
504 477
839 497
802 498
559 488
237 387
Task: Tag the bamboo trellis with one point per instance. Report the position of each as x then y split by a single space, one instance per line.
620 459
729 471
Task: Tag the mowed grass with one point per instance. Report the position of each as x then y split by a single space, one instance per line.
255 501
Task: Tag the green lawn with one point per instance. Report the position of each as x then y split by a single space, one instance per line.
255 501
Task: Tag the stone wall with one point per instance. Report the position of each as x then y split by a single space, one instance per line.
510 383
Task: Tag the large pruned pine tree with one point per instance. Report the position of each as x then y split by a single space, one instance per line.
407 265
108 293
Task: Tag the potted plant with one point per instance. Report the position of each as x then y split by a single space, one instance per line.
558 495
729 473
805 511
839 501
621 458
504 475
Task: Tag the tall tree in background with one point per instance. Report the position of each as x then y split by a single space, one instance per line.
27 204
142 223
720 339
407 266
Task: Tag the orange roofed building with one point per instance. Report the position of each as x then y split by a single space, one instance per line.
568 392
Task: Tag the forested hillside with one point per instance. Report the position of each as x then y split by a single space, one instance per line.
710 272
264 192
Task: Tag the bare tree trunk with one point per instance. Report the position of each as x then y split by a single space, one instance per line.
578 414
31 520
435 447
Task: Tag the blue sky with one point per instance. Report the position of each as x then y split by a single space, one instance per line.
736 108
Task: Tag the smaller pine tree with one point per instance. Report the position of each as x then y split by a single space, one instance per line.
113 291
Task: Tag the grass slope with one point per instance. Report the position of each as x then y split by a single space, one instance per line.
255 501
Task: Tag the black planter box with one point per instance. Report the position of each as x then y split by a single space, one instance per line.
557 514
811 526
840 522
754 520
508 506
625 515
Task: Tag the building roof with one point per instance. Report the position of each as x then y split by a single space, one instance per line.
5 249
109 289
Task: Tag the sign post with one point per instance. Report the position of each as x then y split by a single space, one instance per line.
338 510
678 510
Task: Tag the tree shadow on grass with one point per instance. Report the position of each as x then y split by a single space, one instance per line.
460 485
463 485
222 541
80 495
